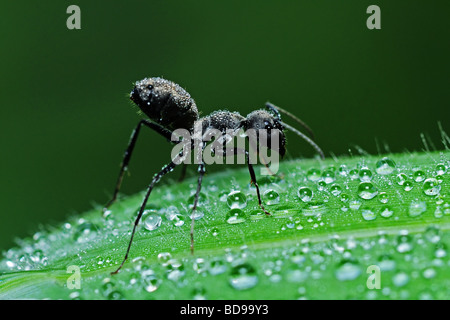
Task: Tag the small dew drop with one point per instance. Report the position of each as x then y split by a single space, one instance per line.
368 214
386 212
347 270
416 208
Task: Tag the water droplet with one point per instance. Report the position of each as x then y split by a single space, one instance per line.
385 166
429 273
419 176
257 214
344 197
400 279
199 265
313 174
199 293
164 258
314 208
296 275
243 277
404 244
297 256
197 214
343 170
365 175
236 199
335 190
321 185
178 220
347 270
85 232
215 231
416 208
383 197
368 214
217 266
328 176
441 251
386 263
432 234
305 194
271 197
431 187
353 174
408 185
355 204
367 191
175 270
401 178
236 216
152 222
386 212
441 169
171 212
151 281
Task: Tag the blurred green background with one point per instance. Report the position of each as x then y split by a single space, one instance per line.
66 119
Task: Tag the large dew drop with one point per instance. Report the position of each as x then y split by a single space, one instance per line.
367 191
152 222
385 166
236 199
431 187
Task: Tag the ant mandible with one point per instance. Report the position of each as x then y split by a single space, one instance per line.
170 107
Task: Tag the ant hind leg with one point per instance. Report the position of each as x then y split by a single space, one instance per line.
166 169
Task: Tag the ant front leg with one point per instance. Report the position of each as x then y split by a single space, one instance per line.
252 174
166 169
127 155
201 172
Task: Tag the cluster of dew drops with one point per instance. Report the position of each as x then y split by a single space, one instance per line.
349 188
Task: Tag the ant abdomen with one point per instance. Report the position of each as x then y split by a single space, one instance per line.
165 102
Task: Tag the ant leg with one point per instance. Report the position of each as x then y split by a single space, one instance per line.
253 177
127 155
201 171
252 174
166 169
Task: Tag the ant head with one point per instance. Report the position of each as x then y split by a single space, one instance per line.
264 122
164 102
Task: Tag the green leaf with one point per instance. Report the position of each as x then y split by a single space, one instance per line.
338 227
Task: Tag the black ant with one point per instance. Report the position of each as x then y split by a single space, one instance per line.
169 107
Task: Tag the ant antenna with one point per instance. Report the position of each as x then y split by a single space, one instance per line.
271 106
306 138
